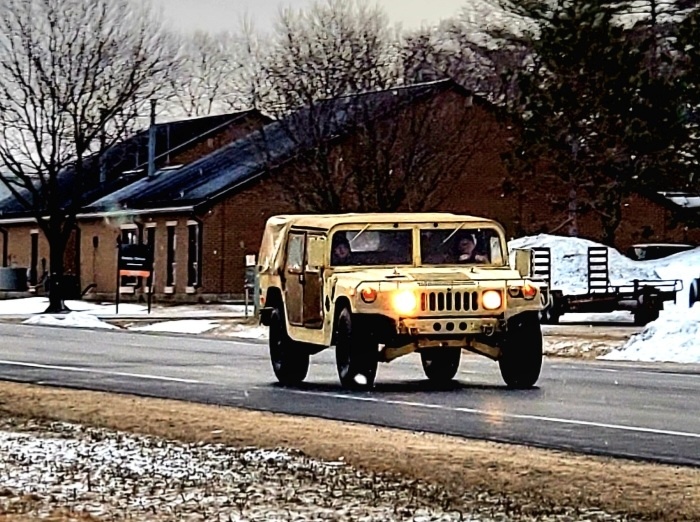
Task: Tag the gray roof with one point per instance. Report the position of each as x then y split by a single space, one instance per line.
126 162
246 159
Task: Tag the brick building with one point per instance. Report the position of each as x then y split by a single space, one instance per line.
204 217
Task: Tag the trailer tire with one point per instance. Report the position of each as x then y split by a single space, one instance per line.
645 315
694 293
521 351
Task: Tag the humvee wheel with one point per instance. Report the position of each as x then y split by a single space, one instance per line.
356 353
289 362
441 364
521 354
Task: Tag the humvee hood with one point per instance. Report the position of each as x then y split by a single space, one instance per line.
430 274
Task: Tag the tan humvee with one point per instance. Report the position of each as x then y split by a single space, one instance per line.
379 286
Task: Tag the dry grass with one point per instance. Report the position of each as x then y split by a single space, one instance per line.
533 479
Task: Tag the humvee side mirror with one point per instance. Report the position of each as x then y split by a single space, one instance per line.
523 262
316 252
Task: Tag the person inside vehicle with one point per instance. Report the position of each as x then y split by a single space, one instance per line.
466 251
341 250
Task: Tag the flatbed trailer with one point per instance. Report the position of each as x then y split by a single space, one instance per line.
643 297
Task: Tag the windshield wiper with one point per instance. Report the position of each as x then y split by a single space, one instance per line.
360 233
453 233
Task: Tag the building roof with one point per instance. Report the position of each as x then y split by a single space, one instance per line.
244 160
127 161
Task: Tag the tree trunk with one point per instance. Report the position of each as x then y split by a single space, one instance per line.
57 246
573 212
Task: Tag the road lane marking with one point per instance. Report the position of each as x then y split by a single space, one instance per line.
101 372
502 415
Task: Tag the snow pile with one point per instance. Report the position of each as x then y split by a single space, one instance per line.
72 319
673 337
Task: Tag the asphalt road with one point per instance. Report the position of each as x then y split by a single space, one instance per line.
621 409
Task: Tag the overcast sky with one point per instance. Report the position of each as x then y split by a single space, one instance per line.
218 15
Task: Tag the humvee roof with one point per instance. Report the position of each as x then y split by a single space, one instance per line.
277 226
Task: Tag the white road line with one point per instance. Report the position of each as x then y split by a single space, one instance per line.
101 372
668 373
501 415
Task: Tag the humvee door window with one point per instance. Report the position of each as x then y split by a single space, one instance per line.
372 247
295 253
460 245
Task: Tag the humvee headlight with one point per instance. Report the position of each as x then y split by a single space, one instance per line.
369 295
529 291
405 302
491 300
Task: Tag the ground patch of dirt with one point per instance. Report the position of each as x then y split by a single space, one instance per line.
532 479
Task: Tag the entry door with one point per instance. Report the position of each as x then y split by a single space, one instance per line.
312 286
294 277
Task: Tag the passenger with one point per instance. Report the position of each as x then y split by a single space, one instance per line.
466 250
341 250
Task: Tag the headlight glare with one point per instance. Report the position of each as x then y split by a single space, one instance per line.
405 302
491 300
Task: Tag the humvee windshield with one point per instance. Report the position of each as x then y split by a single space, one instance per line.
460 245
372 247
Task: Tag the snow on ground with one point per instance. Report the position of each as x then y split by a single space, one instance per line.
673 337
37 305
118 476
191 326
73 319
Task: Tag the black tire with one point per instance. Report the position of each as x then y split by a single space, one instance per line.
289 361
521 352
694 293
441 364
645 315
356 353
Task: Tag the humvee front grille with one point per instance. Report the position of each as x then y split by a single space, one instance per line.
449 301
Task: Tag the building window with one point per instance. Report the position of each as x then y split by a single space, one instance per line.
3 237
34 262
194 254
170 264
150 240
131 235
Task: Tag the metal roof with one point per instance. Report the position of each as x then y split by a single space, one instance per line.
242 161
127 160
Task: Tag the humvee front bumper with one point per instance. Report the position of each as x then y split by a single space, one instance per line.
450 326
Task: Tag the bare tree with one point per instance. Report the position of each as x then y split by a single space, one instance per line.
334 48
211 74
384 151
361 140
74 75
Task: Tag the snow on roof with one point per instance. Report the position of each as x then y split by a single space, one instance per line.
683 199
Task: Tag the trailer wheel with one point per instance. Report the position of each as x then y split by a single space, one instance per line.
521 352
645 314
289 361
441 364
356 352
694 293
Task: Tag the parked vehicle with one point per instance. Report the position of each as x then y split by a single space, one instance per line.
650 251
380 286
644 298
